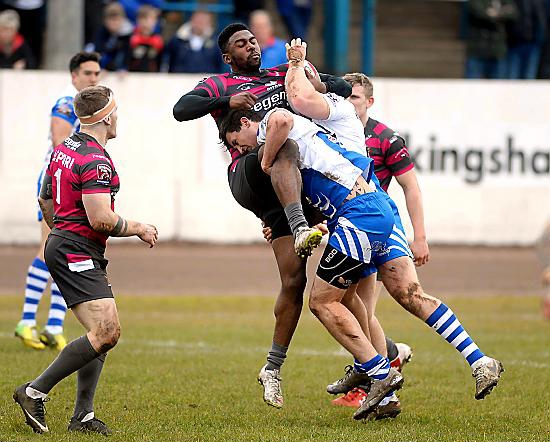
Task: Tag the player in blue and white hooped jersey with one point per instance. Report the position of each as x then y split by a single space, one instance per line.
336 180
85 70
394 264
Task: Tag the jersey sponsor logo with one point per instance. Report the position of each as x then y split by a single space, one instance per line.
245 86
63 159
239 77
104 174
273 85
71 144
270 102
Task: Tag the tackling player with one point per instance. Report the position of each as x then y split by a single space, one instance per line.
396 269
85 71
249 87
77 200
391 158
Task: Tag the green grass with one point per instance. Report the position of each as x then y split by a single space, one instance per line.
185 370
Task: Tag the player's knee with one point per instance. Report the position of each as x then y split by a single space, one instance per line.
410 297
108 335
316 307
293 286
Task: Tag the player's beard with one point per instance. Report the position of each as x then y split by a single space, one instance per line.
251 64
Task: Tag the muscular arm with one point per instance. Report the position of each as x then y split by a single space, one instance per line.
45 200
104 220
279 125
302 95
197 103
413 198
60 129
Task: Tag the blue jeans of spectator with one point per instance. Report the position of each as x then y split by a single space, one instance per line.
523 60
492 68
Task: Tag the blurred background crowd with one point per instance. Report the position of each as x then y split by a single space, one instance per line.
496 39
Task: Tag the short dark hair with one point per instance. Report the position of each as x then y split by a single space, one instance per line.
232 122
82 57
228 32
91 99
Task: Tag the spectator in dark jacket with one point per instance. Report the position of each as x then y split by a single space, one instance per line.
14 51
525 39
113 40
273 48
145 44
193 49
486 41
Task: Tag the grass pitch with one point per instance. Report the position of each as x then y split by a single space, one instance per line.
185 370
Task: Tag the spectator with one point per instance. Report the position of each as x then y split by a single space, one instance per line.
525 40
193 49
273 49
32 19
486 41
15 53
297 15
131 7
145 44
113 40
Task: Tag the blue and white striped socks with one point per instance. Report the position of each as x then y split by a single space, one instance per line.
37 280
445 323
58 309
377 368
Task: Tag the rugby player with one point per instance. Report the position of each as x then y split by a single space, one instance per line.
392 159
85 71
249 87
396 269
336 179
77 201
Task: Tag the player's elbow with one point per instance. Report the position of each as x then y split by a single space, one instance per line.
302 104
178 112
281 121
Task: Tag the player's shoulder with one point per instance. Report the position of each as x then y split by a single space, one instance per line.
276 71
380 130
64 103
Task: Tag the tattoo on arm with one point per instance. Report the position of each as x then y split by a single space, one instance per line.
120 227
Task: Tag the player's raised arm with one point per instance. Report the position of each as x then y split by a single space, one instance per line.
104 220
301 93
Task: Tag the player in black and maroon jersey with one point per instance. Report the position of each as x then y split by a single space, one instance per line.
249 87
77 201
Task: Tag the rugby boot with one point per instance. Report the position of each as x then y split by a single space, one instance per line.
29 336
390 410
487 375
378 391
33 409
305 240
351 379
404 356
56 342
353 398
88 423
271 381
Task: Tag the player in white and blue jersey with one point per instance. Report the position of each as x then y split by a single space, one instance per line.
336 179
394 263
85 70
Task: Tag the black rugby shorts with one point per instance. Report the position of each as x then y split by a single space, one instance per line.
78 269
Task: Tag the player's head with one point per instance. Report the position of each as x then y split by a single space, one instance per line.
85 69
96 109
361 92
239 129
239 48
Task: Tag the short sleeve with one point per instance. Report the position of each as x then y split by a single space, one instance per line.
64 108
339 108
397 157
96 175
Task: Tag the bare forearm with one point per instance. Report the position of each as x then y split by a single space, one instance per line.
276 135
46 206
297 85
413 198
114 225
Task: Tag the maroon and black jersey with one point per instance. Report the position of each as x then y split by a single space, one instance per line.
388 150
268 86
79 165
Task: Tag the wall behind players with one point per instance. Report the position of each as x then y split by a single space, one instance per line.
482 151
